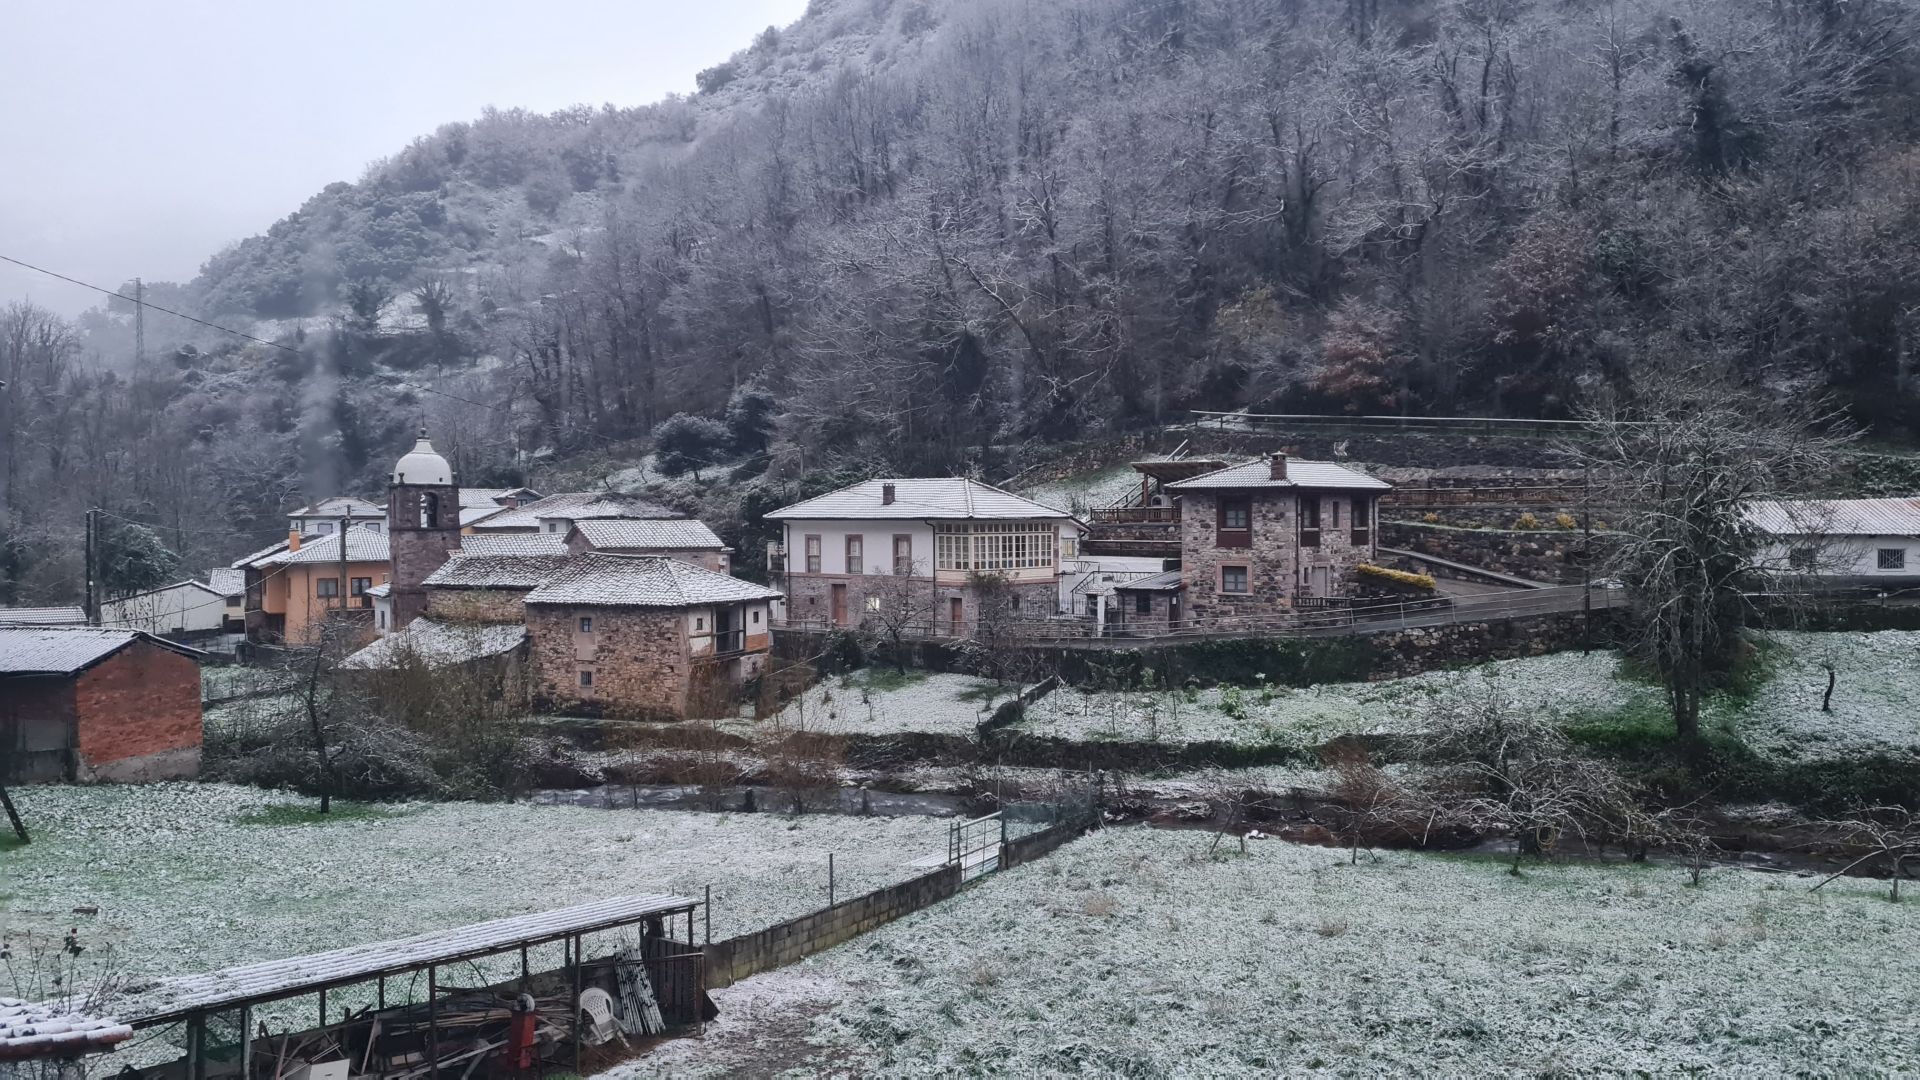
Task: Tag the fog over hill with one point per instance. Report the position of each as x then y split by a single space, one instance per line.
924 228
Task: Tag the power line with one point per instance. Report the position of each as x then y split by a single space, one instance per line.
139 301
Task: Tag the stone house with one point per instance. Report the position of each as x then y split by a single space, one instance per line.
941 551
1145 606
645 636
85 704
1273 535
677 538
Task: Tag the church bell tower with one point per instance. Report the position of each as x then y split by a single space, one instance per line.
423 525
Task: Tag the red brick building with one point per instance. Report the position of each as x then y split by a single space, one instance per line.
93 704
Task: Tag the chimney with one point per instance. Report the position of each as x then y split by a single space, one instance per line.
886 494
511 502
293 539
1277 466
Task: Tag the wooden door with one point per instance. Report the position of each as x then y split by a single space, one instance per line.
956 615
1318 581
839 595
1173 611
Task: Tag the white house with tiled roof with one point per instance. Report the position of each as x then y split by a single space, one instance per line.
849 555
1857 542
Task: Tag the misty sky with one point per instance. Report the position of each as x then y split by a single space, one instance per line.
139 138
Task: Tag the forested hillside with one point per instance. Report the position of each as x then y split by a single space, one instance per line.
926 227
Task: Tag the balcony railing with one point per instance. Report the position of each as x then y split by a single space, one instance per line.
1136 515
729 641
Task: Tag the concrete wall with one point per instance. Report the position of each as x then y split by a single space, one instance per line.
1853 558
736 958
178 608
138 716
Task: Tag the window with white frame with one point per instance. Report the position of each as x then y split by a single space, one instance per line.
988 547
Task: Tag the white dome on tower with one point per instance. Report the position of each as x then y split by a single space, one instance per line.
423 465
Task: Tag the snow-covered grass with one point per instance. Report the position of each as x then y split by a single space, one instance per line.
878 701
1304 718
193 877
1876 698
1081 492
1131 952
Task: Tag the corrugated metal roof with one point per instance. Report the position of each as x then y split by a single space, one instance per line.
470 571
172 999
577 506
598 578
950 498
53 1029
63 650
676 535
43 616
1300 474
227 580
363 545
439 644
514 544
1837 517
1166 581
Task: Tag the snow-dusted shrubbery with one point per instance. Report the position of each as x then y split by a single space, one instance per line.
1128 952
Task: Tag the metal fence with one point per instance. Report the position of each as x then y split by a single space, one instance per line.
1354 618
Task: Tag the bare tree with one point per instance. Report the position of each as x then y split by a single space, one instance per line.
1689 456
1887 833
899 604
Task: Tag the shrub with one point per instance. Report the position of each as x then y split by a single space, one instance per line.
1566 520
1526 521
1400 578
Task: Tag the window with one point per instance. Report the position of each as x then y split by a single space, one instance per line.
856 552
586 624
1362 523
360 585
1893 558
813 554
756 617
902 554
700 624
586 678
1014 601
326 586
1069 545
1233 579
553 526
995 547
383 620
429 511
1310 522
1142 604
1236 522
873 604
324 528
370 526
1800 558
1336 513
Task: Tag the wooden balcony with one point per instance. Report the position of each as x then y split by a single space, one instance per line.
1136 515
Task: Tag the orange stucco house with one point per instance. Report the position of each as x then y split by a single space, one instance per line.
291 586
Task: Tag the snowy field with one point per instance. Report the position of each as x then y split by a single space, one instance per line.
1110 486
1130 952
192 877
876 701
1281 716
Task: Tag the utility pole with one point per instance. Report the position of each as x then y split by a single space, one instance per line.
346 522
92 556
139 321
1586 557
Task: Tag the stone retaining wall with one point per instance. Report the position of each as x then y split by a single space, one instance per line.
1551 556
736 958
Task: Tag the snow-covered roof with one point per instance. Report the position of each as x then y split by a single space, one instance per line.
362 546
187 584
439 644
474 515
601 579
491 498
422 465
227 580
43 616
946 499
340 505
1300 474
1837 517
672 535
465 570
576 506
54 1029
273 979
382 590
64 650
514 544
